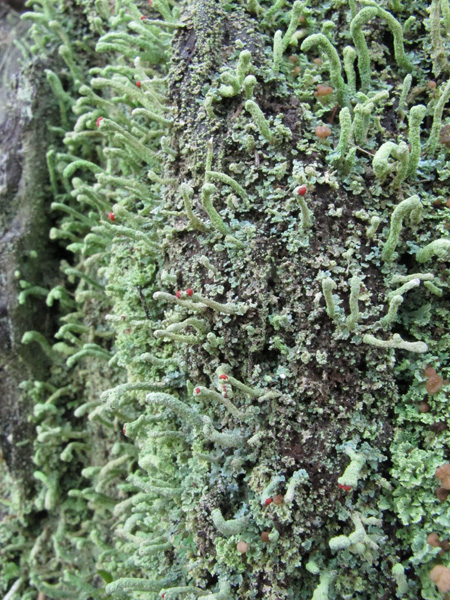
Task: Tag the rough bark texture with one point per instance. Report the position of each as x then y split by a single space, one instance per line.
25 250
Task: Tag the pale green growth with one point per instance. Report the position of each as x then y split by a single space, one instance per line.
249 143
122 136
408 285
382 167
438 53
396 342
182 409
114 396
232 82
397 6
297 10
276 6
155 490
404 94
171 332
305 212
234 185
398 572
361 121
152 116
136 584
67 331
209 157
321 591
274 536
271 487
439 248
173 592
51 483
64 99
155 178
446 15
260 121
355 288
349 55
352 473
73 213
416 116
89 350
412 206
208 190
200 325
372 228
224 592
128 232
50 158
357 541
249 86
207 457
328 285
401 153
363 17
230 527
324 44
345 121
434 289
406 278
394 305
209 98
228 309
34 336
205 262
437 118
110 470
177 337
33 290
228 440
66 53
349 161
155 360
202 392
254 392
186 303
297 478
129 45
254 7
312 567
13 589
277 51
81 164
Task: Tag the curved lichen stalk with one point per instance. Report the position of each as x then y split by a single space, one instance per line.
229 343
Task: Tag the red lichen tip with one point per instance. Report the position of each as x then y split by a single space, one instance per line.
302 190
111 216
197 390
268 501
150 2
178 294
143 18
223 376
99 120
124 430
344 487
189 292
138 83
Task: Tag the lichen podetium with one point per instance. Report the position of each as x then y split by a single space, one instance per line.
250 304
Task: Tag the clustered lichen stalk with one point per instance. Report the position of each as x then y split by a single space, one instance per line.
247 389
